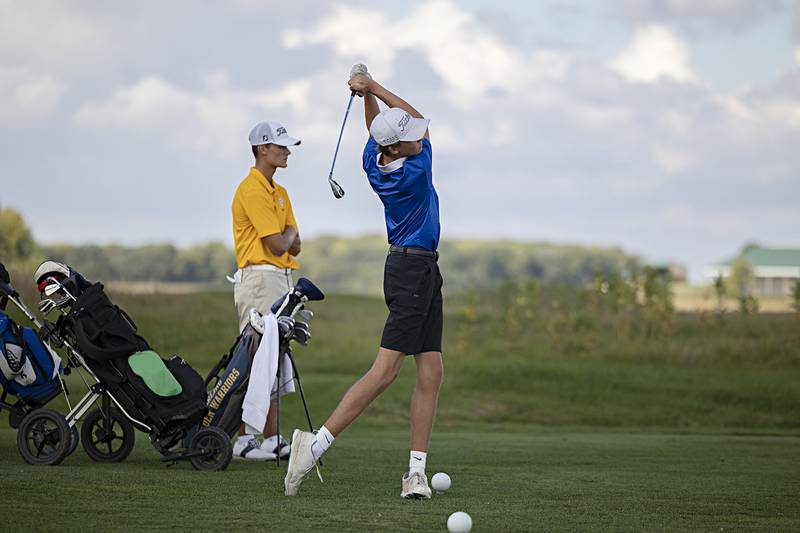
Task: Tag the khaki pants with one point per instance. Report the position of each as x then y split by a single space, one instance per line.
258 289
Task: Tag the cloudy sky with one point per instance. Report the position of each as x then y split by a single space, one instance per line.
670 128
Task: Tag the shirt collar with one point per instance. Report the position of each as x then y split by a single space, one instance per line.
391 166
262 179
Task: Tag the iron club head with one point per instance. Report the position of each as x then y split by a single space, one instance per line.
338 192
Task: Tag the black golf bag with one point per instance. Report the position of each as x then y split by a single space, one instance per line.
164 398
167 395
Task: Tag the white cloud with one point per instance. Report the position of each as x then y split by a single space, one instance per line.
26 96
469 59
211 120
729 15
51 35
655 53
672 160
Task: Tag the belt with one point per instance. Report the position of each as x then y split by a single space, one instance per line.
271 268
410 250
237 276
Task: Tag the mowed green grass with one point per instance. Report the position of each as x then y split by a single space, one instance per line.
505 479
696 430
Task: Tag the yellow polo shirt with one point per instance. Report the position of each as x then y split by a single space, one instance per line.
260 209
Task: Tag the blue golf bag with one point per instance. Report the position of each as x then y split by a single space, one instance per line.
27 369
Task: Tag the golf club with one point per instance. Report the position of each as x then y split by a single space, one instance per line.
338 192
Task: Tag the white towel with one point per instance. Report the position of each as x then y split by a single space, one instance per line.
263 376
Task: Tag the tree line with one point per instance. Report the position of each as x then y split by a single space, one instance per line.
345 265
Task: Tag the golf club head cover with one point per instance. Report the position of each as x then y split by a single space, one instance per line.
4 277
309 290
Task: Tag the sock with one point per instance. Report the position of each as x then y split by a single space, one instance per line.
321 443
243 439
416 462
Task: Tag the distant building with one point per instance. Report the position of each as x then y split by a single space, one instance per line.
776 270
671 271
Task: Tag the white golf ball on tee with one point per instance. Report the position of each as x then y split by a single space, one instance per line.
459 522
440 482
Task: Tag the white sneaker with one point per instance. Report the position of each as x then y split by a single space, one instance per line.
301 461
415 486
270 445
250 449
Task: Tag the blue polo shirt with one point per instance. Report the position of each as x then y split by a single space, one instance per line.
410 202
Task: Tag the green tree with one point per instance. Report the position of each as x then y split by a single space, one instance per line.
719 292
16 240
742 277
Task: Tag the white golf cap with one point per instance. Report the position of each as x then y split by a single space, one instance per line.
395 124
271 133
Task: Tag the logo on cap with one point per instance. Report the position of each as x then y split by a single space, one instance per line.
265 137
404 122
280 131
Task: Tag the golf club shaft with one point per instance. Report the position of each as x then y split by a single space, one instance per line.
341 131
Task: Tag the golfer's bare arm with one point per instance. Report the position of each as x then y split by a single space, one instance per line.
392 100
280 243
370 89
371 108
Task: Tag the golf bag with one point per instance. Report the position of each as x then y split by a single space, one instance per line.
27 369
167 395
232 375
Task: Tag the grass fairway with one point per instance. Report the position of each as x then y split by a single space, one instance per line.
547 425
506 479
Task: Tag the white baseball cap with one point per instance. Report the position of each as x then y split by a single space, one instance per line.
271 133
395 124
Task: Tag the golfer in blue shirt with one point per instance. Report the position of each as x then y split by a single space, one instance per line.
398 162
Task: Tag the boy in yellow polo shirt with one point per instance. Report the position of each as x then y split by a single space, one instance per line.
266 241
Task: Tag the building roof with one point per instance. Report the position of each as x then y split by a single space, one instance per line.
765 262
767 257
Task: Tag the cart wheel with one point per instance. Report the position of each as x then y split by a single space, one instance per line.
74 439
107 440
43 437
216 445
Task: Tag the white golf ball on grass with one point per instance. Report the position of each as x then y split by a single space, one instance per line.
459 522
440 482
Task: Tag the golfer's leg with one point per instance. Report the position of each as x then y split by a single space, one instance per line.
383 372
425 398
271 425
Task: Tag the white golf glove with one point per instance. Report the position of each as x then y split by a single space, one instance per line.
359 68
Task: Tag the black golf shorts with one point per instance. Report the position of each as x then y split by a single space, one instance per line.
412 286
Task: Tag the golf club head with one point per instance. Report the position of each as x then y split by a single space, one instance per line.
301 333
51 289
338 192
305 314
286 326
46 306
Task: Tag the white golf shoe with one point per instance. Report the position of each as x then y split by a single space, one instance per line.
270 444
415 487
251 450
301 461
